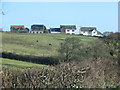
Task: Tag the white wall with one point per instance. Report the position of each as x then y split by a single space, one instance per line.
70 31
35 31
94 33
85 33
55 32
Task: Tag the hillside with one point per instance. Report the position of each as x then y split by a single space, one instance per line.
36 44
92 62
19 64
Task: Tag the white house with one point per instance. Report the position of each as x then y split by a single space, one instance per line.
90 31
37 28
36 32
68 29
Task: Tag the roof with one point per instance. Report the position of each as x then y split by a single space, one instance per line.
38 27
87 28
107 33
68 26
17 26
55 29
99 33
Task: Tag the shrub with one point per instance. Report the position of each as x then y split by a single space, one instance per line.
73 49
74 74
113 44
65 75
95 50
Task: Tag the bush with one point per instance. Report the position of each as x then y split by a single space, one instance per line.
94 50
74 74
65 75
73 49
113 44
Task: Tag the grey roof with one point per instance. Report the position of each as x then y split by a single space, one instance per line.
37 27
87 28
68 26
55 29
107 33
99 33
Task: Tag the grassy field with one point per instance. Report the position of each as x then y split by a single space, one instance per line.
34 45
19 64
26 44
102 72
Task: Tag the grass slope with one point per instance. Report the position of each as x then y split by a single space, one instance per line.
19 64
25 44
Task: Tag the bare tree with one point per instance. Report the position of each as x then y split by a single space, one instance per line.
69 48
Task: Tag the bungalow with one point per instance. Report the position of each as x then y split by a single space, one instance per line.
17 28
68 29
90 31
107 33
37 28
54 30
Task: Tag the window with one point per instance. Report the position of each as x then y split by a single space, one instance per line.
72 30
68 30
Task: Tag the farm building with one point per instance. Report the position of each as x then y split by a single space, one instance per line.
90 31
68 29
17 28
54 30
37 28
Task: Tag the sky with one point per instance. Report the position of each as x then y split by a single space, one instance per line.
102 15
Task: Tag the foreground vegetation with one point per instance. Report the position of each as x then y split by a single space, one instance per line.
84 74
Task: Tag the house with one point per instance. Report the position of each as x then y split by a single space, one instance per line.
37 28
90 31
54 30
107 33
68 29
17 28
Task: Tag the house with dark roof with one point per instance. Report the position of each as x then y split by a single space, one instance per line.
90 31
37 28
54 30
68 29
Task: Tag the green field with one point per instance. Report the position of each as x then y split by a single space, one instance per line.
25 44
19 64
